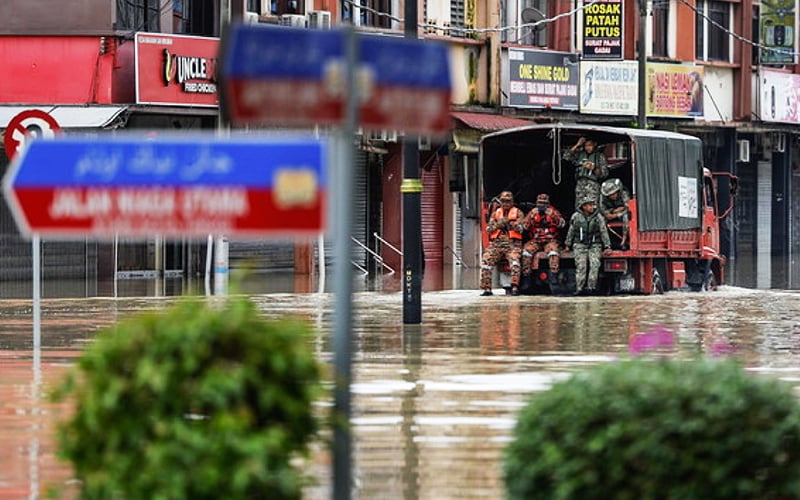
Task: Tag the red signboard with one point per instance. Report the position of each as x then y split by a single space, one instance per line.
176 70
31 123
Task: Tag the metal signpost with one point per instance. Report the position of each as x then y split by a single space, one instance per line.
282 76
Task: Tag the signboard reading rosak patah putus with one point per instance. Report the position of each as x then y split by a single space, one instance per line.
602 29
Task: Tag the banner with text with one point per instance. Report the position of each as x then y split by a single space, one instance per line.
609 87
602 29
674 90
542 79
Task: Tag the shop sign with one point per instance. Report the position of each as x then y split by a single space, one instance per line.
776 24
542 79
609 87
674 90
26 125
191 185
602 29
176 70
779 98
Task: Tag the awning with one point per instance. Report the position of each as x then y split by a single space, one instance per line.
71 116
466 140
489 122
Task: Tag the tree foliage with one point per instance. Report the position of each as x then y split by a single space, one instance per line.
196 401
662 429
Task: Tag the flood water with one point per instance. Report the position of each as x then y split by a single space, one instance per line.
433 404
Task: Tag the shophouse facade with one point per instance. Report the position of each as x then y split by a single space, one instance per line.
709 72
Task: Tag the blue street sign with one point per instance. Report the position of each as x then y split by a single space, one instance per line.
281 75
176 185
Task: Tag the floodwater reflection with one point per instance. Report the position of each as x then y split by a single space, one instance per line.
433 404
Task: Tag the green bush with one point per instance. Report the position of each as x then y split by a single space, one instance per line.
196 401
662 429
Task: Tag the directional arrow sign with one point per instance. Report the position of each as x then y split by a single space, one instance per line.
280 75
174 186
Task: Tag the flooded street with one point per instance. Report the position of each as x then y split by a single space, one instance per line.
433 404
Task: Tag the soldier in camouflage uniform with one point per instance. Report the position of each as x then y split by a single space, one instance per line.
614 206
543 223
588 236
591 167
505 240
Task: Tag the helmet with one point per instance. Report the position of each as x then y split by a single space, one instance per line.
543 199
610 187
586 199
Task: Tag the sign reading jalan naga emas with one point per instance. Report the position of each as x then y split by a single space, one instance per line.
179 186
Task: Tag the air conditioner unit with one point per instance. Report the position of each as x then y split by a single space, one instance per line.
779 142
319 19
424 142
251 18
294 20
743 150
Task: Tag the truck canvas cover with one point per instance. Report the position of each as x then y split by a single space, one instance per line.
663 170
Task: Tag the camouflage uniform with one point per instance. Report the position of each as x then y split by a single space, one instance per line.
608 206
506 242
588 236
543 223
587 182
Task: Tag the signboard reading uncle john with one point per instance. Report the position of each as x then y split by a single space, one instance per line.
602 29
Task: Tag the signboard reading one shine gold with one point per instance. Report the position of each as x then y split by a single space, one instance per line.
539 78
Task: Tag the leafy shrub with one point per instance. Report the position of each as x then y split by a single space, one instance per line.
192 402
658 429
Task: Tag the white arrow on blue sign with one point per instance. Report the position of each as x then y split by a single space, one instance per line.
175 186
281 75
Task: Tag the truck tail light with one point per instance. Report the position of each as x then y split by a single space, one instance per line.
615 265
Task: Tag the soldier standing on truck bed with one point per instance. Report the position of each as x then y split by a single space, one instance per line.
591 167
588 236
614 206
504 241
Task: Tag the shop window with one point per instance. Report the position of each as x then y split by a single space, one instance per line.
376 13
712 30
139 15
529 11
194 17
661 28
180 16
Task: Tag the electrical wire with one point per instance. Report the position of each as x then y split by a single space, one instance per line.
536 24
475 30
735 35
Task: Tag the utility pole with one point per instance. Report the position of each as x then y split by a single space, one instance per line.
642 48
412 200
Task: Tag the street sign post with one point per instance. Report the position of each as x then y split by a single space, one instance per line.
29 124
280 75
172 186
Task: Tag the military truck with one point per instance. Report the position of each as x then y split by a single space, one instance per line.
674 209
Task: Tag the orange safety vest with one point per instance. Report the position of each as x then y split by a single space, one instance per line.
513 215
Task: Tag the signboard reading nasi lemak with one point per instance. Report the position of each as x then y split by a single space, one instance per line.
275 75
174 186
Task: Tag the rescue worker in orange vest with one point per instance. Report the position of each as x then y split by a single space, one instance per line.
505 240
543 223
